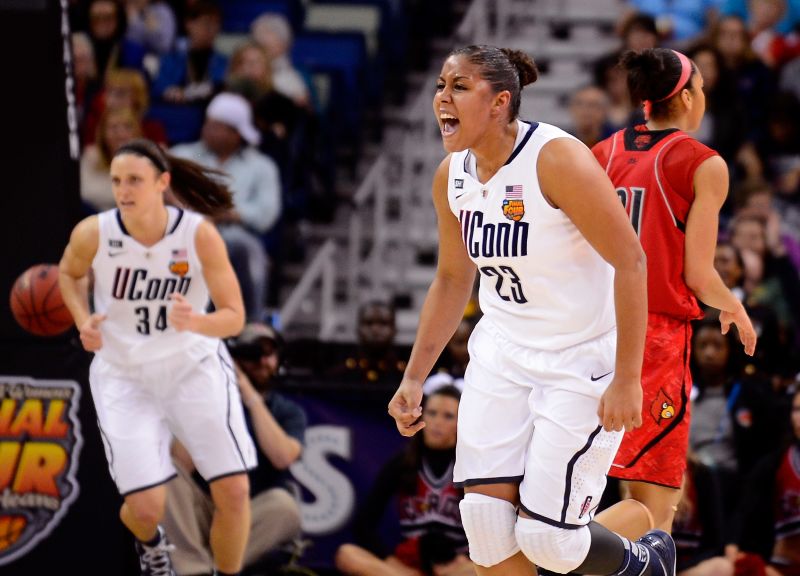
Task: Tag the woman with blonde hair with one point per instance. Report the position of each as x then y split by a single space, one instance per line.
124 88
115 128
283 124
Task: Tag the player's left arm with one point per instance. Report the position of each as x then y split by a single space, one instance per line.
572 180
710 183
223 287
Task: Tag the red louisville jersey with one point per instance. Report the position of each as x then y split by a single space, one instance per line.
434 506
787 495
653 172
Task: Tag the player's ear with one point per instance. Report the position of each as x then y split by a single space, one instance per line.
687 99
501 101
164 180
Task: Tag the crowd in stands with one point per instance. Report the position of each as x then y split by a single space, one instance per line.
154 68
740 512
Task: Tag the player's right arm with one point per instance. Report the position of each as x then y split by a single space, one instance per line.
442 311
73 272
710 189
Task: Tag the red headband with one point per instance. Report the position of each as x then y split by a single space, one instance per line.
686 72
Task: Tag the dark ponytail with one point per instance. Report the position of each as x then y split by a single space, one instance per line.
504 69
652 76
196 186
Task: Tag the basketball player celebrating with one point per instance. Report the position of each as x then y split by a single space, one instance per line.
554 372
672 187
158 370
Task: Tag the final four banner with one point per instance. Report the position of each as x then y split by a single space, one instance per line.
39 452
349 438
55 489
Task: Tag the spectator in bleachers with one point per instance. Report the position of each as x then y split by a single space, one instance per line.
721 127
759 199
768 518
678 22
742 9
780 149
588 109
699 524
421 477
375 359
85 68
278 426
755 83
276 116
773 349
152 24
124 88
790 77
732 412
770 277
228 142
194 71
273 33
638 32
107 29
115 128
772 46
289 135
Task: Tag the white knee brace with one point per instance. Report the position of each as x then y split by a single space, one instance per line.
489 525
556 549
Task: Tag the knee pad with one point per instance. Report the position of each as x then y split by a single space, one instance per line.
489 525
556 549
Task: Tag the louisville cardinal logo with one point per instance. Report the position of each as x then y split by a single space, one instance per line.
662 408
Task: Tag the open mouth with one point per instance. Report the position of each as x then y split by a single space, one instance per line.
449 124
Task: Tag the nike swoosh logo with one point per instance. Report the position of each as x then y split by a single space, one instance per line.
113 254
460 195
595 379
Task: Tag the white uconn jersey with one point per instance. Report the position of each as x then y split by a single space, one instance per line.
541 283
133 283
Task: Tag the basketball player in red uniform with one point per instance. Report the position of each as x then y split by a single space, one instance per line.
672 187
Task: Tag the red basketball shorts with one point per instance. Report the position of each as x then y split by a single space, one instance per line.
656 451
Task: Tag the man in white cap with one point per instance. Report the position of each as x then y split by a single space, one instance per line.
227 143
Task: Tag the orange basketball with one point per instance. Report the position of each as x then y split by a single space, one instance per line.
36 301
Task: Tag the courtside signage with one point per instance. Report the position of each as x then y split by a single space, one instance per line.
40 440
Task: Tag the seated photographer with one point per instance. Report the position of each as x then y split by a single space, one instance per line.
278 426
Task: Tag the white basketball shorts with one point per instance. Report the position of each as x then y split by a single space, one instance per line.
192 395
530 417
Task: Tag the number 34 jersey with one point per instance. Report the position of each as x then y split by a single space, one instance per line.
542 284
133 284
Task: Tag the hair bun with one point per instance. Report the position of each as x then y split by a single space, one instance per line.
526 67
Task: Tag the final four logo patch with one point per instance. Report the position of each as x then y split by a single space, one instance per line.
513 206
179 264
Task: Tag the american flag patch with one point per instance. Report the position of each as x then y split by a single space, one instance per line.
180 253
514 192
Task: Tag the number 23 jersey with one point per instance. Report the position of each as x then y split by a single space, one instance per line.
133 284
541 283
